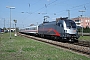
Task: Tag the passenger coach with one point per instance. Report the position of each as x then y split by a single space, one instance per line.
30 30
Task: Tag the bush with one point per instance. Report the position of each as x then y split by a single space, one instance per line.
85 30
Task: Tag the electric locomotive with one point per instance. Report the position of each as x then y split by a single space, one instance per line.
62 29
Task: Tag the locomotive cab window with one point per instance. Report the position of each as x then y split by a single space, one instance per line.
70 24
60 24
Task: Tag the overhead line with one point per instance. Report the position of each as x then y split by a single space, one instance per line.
80 5
42 7
75 7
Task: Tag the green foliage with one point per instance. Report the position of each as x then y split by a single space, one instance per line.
86 38
10 50
85 30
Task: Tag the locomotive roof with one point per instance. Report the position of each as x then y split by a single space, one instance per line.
54 22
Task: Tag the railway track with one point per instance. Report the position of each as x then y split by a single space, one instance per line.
83 43
78 47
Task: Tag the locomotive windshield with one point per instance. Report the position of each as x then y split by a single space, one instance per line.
70 24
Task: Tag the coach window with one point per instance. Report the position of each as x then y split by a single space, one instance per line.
34 28
26 28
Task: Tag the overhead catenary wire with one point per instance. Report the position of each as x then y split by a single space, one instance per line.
40 8
74 7
59 12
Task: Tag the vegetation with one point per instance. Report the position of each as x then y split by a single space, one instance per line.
85 30
21 48
86 38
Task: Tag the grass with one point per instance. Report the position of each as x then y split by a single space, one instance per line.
21 48
87 38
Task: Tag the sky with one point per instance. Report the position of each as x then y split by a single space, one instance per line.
28 12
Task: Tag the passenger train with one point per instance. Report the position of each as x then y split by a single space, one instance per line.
33 30
61 29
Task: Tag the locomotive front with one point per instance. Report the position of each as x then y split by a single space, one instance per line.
70 30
